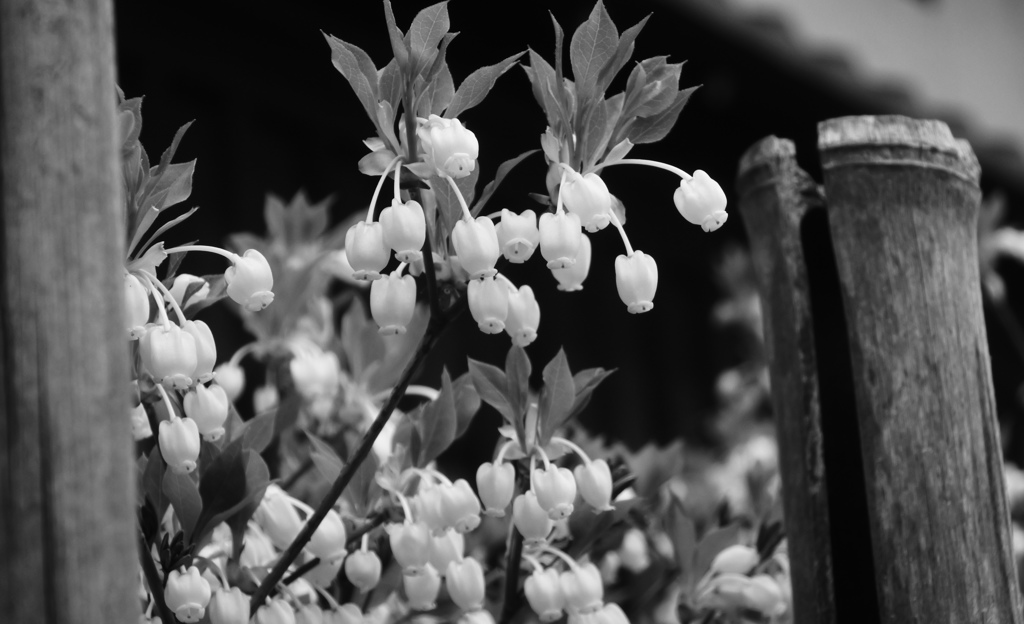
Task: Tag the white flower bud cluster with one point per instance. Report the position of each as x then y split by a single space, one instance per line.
578 591
738 581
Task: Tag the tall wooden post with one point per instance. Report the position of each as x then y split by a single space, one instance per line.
66 493
903 202
775 194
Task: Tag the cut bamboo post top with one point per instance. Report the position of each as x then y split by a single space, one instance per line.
768 149
919 142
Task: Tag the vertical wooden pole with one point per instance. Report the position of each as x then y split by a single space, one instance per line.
775 194
903 201
66 495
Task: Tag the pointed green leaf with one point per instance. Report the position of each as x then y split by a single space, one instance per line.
152 482
348 65
173 187
477 85
450 209
398 45
181 491
585 382
503 170
259 432
603 128
257 478
651 129
168 155
325 458
437 424
592 46
426 31
517 375
363 491
491 383
559 59
438 94
439 63
660 90
542 78
390 86
711 544
619 152
683 534
556 397
467 402
623 52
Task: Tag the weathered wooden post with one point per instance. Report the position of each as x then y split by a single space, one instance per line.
903 200
775 194
66 497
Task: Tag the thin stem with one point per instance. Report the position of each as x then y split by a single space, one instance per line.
423 391
207 248
242 352
167 400
558 204
530 559
434 329
372 523
167 295
300 571
380 184
364 545
569 561
504 449
156 586
572 447
161 309
406 510
398 183
428 255
513 558
544 457
622 233
641 161
466 214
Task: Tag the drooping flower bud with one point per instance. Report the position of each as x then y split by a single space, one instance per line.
310 614
328 541
588 196
636 278
429 507
446 548
206 349
460 506
229 607
448 147
560 238
347 613
276 611
583 588
278 518
523 316
421 587
530 519
208 407
183 282
136 306
250 281
366 251
595 484
179 444
488 303
393 302
140 423
316 373
518 235
465 582
633 552
476 616
169 354
496 484
764 596
544 593
187 594
362 568
410 544
571 278
476 245
701 201
736 559
405 229
265 398
231 377
556 490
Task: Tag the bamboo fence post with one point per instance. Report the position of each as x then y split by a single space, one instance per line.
67 492
903 201
774 195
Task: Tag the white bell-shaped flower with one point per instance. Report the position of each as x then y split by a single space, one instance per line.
393 302
405 229
410 544
571 278
136 306
636 278
169 354
488 303
179 444
633 553
544 593
594 481
465 582
366 251
448 147
277 516
231 377
250 281
588 196
265 398
531 519
555 489
518 235
523 316
208 407
421 587
560 236
476 245
460 506
347 613
363 568
328 541
276 611
316 373
583 588
229 606
310 614
736 559
701 201
206 349
446 548
496 484
187 594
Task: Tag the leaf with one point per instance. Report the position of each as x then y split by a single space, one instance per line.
542 78
173 187
218 291
390 86
592 46
152 482
182 492
438 94
603 127
623 52
348 65
654 466
325 458
233 484
559 60
256 434
711 544
660 89
437 423
556 397
467 402
363 491
426 31
585 382
683 533
651 129
450 209
618 152
398 46
503 170
517 376
477 85
492 385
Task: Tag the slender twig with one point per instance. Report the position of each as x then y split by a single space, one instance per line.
434 329
371 523
156 586
428 255
302 569
513 559
288 482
